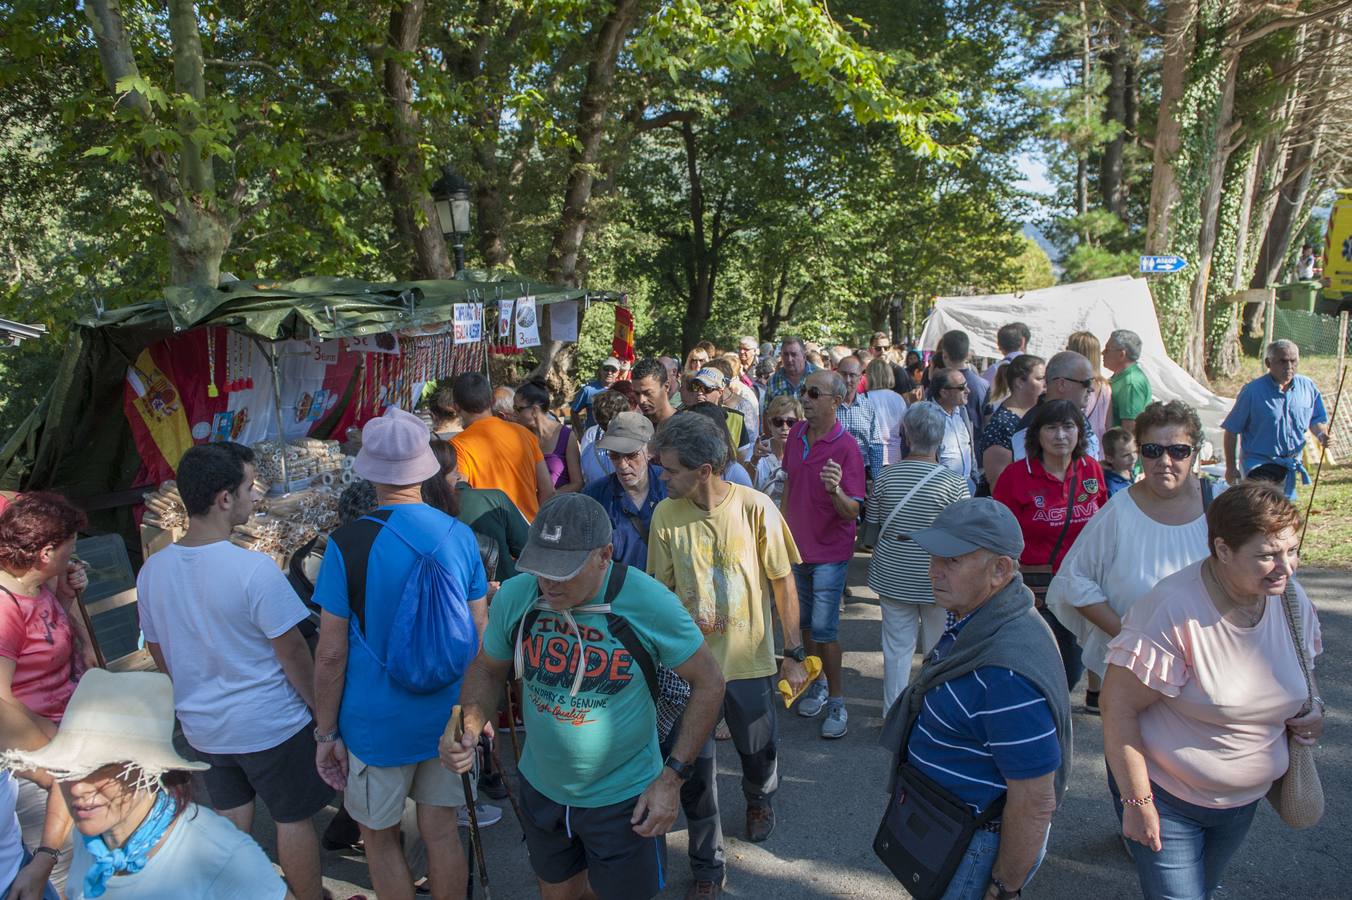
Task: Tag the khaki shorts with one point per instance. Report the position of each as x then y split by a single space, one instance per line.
375 795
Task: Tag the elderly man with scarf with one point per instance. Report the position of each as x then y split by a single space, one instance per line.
985 725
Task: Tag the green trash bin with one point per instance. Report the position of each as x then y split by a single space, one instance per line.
1298 295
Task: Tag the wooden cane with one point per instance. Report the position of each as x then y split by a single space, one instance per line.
475 836
511 798
1323 447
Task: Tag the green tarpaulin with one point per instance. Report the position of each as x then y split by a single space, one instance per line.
78 442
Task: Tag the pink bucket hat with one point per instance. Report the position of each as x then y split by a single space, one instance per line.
395 449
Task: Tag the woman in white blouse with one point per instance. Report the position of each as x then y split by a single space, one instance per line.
1145 533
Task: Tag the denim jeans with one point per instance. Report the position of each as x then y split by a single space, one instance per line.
820 586
48 892
973 876
1196 843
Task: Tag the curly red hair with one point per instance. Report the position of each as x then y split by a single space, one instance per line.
32 522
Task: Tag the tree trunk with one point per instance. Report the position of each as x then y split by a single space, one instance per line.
1195 355
593 108
401 166
1112 191
1179 18
699 296
197 232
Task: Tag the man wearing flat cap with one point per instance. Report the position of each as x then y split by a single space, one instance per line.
582 631
987 719
632 491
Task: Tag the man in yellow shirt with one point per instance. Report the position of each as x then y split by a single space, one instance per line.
715 545
492 453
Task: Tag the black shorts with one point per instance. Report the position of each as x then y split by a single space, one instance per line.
284 776
565 840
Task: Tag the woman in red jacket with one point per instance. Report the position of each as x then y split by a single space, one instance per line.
1052 492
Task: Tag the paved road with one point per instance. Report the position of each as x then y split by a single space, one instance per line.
831 797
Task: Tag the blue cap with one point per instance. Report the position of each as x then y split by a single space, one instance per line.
976 524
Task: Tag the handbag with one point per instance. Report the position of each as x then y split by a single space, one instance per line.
925 833
1039 578
924 479
1298 796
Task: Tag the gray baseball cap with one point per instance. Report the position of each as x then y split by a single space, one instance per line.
566 530
976 524
628 432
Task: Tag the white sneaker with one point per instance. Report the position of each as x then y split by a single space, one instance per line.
837 721
487 813
813 700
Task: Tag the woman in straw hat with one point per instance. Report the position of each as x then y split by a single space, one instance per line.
127 789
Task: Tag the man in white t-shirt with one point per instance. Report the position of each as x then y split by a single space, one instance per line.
221 622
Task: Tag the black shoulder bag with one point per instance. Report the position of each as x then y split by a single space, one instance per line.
926 830
1039 578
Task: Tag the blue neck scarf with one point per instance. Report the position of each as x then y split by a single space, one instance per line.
130 857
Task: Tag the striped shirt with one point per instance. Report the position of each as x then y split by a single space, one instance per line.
899 570
861 421
983 728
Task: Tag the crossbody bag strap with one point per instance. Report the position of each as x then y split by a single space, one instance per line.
636 520
925 479
1070 514
1291 606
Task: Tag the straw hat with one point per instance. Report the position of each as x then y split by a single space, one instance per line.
113 717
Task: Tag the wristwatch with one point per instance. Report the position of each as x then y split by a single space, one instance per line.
1003 892
797 654
329 738
683 770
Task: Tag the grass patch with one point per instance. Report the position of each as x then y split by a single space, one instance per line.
1328 539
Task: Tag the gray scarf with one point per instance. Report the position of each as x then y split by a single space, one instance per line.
1006 632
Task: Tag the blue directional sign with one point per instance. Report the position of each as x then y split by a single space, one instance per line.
1160 264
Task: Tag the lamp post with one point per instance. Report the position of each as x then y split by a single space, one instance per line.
450 192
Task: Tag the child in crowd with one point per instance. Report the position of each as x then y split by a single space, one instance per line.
1119 459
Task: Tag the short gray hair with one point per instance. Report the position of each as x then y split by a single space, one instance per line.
695 440
1068 364
924 426
746 338
503 395
1129 341
836 384
1282 344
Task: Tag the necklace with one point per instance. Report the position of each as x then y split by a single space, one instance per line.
1250 614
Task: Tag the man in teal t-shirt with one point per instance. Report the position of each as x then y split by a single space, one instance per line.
595 794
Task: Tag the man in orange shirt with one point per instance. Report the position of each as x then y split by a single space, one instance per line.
497 454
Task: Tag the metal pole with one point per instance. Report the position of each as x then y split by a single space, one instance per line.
1342 343
459 248
277 408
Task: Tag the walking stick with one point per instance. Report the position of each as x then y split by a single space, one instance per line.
497 761
88 623
475 836
1323 447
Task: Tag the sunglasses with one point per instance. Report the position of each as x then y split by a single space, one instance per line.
878 348
956 387
1085 383
617 456
814 393
609 369
700 387
1176 451
780 423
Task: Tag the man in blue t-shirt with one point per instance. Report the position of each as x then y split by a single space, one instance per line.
1271 415
605 377
630 493
596 797
377 741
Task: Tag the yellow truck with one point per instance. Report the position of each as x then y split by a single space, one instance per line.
1337 279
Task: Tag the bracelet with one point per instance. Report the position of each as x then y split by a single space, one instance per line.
52 852
329 738
1139 802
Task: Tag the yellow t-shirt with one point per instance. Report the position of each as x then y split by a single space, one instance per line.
718 562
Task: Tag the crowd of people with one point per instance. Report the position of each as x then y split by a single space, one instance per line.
633 577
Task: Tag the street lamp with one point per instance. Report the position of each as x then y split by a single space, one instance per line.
450 192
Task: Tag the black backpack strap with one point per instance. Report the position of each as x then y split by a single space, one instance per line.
621 631
354 541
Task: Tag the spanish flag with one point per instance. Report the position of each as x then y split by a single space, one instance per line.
623 344
159 407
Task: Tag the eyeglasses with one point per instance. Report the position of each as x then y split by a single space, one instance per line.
1085 383
617 456
956 387
780 423
700 387
814 392
1179 452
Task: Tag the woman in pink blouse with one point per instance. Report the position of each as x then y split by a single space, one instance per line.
1203 685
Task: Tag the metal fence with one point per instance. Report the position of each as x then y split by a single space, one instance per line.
1324 350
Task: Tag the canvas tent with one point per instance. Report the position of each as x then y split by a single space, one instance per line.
82 439
1053 313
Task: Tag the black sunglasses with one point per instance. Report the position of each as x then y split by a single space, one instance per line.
780 423
814 392
609 369
1085 383
1176 451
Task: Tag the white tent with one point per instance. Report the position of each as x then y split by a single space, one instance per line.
1053 313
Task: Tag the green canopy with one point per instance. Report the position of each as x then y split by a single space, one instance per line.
78 442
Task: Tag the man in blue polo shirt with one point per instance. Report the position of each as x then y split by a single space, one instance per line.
987 718
605 377
633 490
1272 414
